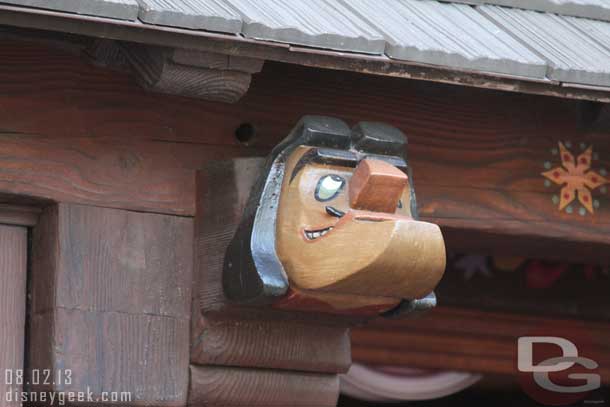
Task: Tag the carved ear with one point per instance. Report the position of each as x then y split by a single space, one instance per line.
315 131
252 271
379 138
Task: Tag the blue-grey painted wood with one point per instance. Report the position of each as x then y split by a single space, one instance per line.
118 9
451 35
573 56
596 9
316 23
598 30
210 15
486 38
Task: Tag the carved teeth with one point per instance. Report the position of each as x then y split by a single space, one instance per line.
315 234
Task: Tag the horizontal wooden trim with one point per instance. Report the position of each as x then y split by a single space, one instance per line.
236 45
230 386
466 340
19 215
76 133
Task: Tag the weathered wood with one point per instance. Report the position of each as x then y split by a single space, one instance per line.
139 176
13 277
111 296
215 225
301 341
213 60
107 54
477 156
207 76
223 386
239 46
271 344
466 340
18 215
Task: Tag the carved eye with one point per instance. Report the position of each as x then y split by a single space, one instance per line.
329 187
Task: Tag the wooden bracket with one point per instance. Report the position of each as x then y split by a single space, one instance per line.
331 225
250 356
197 74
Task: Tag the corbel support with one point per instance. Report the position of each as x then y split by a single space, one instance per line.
286 346
191 73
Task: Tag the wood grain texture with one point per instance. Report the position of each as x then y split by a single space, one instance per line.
423 32
158 71
111 301
228 334
216 61
376 250
13 277
18 215
221 386
467 340
107 54
477 155
221 199
271 344
318 24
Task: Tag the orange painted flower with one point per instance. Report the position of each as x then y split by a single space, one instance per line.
576 177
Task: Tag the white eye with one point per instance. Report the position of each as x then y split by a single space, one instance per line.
328 187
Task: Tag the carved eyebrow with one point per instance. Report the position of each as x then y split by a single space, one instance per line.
342 158
325 156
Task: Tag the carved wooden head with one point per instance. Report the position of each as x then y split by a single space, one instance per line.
333 226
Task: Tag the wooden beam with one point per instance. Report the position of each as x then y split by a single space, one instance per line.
18 215
477 156
111 295
223 386
202 75
467 340
281 345
13 277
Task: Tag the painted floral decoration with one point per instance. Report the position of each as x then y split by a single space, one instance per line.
576 178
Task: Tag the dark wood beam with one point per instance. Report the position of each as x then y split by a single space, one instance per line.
191 73
76 133
468 340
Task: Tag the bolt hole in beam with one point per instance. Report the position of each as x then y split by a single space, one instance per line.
245 133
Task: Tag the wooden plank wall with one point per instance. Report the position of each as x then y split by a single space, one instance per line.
77 133
13 277
111 297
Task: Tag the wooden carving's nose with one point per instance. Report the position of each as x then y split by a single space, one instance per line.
376 186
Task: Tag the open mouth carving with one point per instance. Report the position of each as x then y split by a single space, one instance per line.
315 234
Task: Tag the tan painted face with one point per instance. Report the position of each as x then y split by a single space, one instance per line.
325 244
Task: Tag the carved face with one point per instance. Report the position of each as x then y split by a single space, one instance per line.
341 224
